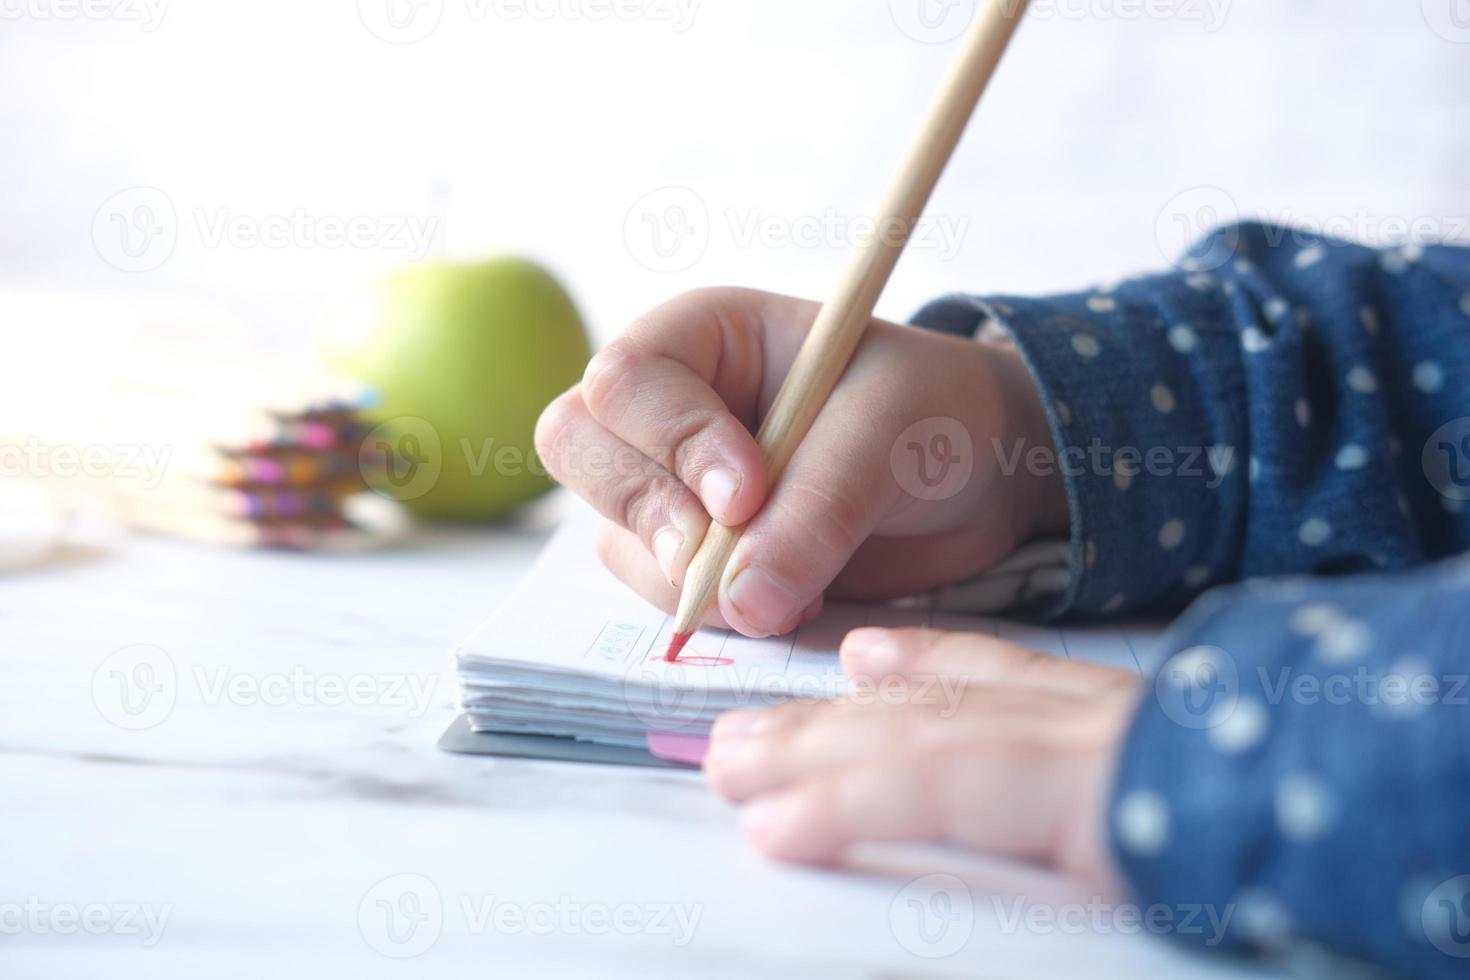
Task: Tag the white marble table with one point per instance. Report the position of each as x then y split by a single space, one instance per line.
269 798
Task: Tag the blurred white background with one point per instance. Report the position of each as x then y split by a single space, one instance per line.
749 136
209 157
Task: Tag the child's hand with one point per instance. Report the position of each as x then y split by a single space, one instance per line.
984 744
658 436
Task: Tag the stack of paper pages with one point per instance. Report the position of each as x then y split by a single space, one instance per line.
574 653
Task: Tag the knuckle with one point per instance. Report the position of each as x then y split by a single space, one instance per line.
823 798
642 504
713 297
786 719
604 380
941 789
956 650
1035 664
688 434
831 519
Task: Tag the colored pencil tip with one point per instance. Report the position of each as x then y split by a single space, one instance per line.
676 646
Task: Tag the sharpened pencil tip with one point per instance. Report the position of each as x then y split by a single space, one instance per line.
676 646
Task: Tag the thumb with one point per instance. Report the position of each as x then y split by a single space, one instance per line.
807 532
831 496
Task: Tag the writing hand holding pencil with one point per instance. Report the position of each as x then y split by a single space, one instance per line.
716 514
747 523
677 398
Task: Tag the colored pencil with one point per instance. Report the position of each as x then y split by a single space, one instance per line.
839 326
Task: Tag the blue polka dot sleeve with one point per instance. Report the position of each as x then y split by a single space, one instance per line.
1280 403
1299 768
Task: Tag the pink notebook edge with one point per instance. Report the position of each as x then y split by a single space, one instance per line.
688 749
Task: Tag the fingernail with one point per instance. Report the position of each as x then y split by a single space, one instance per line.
761 601
666 545
717 490
872 650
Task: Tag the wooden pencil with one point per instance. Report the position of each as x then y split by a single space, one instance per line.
839 326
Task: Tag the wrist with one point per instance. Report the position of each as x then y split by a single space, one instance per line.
1040 490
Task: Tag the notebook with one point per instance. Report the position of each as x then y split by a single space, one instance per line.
571 665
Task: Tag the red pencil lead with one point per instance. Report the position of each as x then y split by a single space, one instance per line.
676 646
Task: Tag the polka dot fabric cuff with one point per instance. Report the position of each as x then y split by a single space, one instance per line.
1257 411
1142 431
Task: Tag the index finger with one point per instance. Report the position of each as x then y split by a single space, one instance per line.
685 385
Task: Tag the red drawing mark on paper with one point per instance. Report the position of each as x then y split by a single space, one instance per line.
676 646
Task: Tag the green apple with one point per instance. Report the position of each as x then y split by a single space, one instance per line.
463 358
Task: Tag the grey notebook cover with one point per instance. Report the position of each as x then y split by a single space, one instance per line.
459 737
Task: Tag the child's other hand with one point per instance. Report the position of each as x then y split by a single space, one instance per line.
658 437
971 741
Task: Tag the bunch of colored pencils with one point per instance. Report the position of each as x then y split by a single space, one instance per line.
294 481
